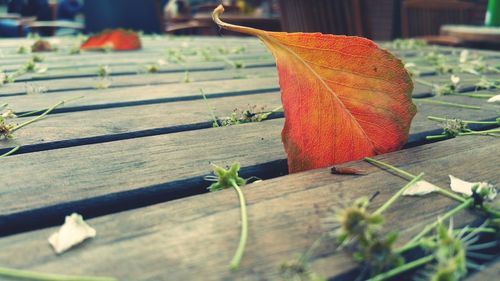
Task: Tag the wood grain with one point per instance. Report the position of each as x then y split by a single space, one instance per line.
195 237
142 79
111 124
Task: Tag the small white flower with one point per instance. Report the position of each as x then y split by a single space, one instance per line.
410 65
455 79
9 113
73 232
3 77
464 55
465 187
494 99
420 188
41 69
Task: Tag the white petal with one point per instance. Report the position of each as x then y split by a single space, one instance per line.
464 54
73 232
465 187
494 99
461 186
420 188
455 79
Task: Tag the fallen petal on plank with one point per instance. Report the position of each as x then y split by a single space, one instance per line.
420 188
74 231
465 187
494 99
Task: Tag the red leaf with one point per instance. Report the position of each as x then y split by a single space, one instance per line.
118 40
344 98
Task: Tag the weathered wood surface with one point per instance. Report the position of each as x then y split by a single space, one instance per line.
122 122
139 79
133 169
195 237
148 139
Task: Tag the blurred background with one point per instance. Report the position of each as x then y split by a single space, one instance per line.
375 19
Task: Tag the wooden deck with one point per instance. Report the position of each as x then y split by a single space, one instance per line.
131 159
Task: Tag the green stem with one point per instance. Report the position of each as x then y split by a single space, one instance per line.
452 104
409 176
43 110
408 247
423 82
398 194
439 119
431 226
400 269
38 117
235 261
211 110
39 276
480 96
437 137
9 152
398 171
485 132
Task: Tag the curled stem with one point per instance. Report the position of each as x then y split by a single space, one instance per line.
39 276
238 255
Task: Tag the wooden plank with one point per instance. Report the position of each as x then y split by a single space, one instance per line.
163 242
115 97
103 125
90 83
133 69
78 175
140 59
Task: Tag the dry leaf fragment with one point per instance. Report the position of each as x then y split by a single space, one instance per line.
420 188
74 231
465 187
115 39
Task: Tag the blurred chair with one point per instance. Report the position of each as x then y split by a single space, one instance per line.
139 15
326 16
424 18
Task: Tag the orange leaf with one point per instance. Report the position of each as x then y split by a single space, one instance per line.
118 40
344 98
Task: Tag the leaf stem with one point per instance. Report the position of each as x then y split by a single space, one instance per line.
398 194
238 255
400 269
10 152
39 276
451 104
